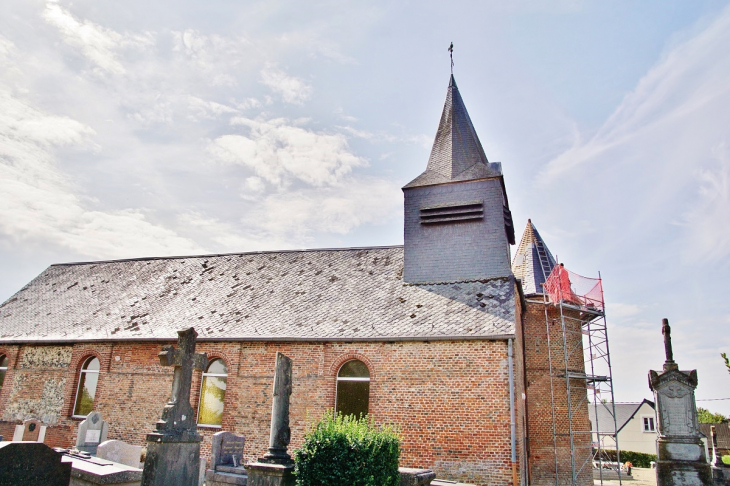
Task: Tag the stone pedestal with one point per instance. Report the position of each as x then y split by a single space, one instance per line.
681 458
170 462
261 474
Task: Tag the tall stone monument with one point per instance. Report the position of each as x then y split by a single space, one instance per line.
173 450
681 457
276 468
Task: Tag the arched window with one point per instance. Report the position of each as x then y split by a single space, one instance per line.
213 394
353 389
3 369
85 393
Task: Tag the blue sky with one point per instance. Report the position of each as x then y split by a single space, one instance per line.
167 128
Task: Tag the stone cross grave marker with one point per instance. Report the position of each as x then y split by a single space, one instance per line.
178 414
119 451
173 450
92 431
227 451
31 430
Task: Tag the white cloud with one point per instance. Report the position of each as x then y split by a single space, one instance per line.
95 42
299 214
291 89
212 55
278 152
38 205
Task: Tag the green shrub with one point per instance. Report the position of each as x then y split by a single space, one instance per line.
637 459
726 460
346 451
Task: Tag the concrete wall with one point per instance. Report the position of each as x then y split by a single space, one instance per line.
450 398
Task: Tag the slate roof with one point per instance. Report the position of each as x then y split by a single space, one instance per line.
457 153
624 413
533 261
341 294
723 435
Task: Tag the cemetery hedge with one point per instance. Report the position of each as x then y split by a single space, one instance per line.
637 459
347 451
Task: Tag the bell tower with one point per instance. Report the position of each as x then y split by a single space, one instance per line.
458 226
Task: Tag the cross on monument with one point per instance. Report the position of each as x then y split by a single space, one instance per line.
669 363
178 414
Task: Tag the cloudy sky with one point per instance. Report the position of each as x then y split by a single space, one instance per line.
142 128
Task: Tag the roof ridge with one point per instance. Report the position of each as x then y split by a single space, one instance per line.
260 252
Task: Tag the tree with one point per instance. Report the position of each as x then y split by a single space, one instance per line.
727 361
704 416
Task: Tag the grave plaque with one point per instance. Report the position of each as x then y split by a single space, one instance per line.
121 452
32 464
31 430
226 460
92 431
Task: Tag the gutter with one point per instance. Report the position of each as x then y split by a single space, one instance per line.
513 431
283 339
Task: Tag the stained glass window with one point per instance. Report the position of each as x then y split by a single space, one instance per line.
213 394
88 379
353 389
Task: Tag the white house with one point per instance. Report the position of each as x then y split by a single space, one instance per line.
635 425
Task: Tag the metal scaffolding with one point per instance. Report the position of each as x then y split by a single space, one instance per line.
580 367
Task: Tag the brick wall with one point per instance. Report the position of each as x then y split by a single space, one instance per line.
452 252
450 398
544 410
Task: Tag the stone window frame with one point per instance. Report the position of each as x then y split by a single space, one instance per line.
644 422
81 364
340 364
200 392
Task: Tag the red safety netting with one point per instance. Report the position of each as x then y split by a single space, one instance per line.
565 286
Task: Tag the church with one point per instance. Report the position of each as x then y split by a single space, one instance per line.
442 336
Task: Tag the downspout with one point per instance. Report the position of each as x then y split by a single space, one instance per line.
513 425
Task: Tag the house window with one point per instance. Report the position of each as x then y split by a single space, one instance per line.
88 378
213 394
649 424
353 389
3 369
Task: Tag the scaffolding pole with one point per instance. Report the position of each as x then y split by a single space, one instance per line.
583 345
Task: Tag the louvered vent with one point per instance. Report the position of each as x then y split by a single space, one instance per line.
452 212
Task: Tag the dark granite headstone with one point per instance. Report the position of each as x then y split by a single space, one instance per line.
227 449
31 430
226 460
32 464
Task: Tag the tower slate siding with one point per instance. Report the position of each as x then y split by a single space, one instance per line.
456 251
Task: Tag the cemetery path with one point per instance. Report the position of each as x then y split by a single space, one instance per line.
642 477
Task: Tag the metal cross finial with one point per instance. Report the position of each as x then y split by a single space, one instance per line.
451 55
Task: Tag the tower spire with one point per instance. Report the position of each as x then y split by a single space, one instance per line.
533 261
457 153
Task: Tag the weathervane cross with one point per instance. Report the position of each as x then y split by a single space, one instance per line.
451 55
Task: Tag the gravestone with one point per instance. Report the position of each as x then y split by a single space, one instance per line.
32 464
92 432
121 452
92 471
681 457
276 468
173 450
226 460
